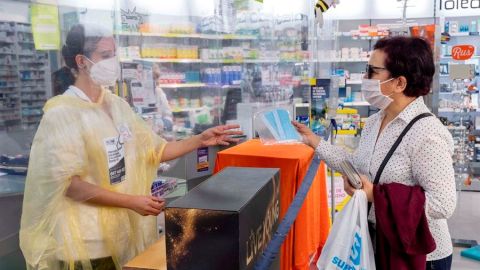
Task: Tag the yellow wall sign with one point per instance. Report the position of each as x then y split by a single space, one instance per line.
45 27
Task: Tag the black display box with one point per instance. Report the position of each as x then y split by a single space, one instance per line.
225 222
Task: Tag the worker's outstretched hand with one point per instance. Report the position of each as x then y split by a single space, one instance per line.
219 135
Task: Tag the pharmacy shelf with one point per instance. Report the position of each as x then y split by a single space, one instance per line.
360 37
357 104
456 111
251 61
199 36
32 62
197 85
33 92
213 61
219 86
347 60
449 57
461 34
33 69
161 60
353 82
177 109
231 37
182 85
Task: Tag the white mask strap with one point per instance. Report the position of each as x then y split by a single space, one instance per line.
387 81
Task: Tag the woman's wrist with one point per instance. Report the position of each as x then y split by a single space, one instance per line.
196 141
314 141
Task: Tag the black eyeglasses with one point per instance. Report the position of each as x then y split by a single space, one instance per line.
369 69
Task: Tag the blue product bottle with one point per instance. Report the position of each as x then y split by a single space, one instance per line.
473 27
224 76
219 76
228 72
209 76
447 27
238 73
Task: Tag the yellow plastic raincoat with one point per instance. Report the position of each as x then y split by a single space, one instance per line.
106 144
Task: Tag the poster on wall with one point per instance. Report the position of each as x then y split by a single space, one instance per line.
319 93
45 27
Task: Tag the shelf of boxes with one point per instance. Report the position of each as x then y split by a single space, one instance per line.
461 34
346 60
29 68
182 85
192 35
226 61
352 82
177 55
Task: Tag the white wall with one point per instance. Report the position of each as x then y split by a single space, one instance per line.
285 7
379 9
14 11
347 9
90 4
171 7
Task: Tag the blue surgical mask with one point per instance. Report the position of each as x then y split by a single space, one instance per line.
279 124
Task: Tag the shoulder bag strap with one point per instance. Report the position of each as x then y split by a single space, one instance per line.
394 147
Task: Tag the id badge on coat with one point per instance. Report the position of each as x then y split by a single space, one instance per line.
116 159
124 131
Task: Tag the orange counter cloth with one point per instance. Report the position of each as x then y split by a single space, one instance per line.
310 230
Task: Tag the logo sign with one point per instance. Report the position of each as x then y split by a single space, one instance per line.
463 52
356 250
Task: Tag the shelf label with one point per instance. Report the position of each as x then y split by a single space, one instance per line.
463 52
202 159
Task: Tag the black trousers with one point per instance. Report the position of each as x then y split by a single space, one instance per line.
442 264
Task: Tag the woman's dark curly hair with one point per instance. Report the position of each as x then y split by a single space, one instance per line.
412 58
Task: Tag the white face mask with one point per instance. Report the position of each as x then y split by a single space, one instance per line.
372 94
105 72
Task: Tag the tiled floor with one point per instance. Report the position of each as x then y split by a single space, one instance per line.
465 224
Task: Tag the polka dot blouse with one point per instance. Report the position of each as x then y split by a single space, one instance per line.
423 158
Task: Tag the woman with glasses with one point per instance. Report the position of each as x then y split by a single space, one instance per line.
398 75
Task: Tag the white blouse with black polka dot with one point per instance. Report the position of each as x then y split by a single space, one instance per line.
423 158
